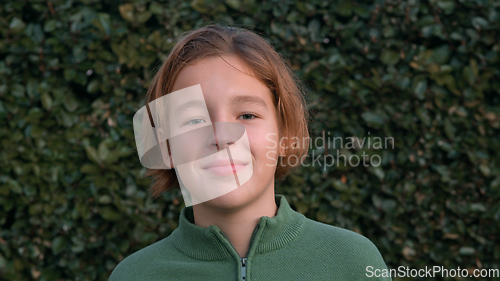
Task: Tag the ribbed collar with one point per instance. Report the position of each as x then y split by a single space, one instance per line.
209 243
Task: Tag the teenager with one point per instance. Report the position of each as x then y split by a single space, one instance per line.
242 231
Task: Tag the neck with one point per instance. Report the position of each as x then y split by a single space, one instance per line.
238 223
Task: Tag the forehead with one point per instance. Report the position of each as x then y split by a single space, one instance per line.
224 79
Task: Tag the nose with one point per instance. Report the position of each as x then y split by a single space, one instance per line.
223 137
226 134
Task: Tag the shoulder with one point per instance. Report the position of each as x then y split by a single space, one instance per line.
340 237
347 251
145 263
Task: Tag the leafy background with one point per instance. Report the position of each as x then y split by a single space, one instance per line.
74 198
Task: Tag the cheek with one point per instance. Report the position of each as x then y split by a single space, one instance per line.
263 143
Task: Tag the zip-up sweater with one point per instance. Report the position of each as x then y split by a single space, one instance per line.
288 246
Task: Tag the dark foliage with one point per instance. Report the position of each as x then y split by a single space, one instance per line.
74 200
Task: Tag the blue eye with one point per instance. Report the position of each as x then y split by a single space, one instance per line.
247 116
194 121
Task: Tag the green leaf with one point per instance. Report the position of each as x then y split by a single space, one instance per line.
479 23
58 245
423 114
340 186
467 251
18 90
109 214
447 5
419 86
235 4
440 55
71 103
31 88
92 154
14 186
485 170
495 184
474 67
93 86
373 118
103 151
344 8
35 209
362 10
105 199
127 12
78 245
112 156
377 171
389 57
17 25
449 129
104 23
199 6
469 76
50 25
47 101
477 207
69 74
90 169
143 17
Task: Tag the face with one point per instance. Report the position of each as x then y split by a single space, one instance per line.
244 102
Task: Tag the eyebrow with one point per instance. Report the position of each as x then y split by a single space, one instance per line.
186 105
249 99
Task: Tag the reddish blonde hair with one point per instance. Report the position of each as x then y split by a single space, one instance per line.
266 64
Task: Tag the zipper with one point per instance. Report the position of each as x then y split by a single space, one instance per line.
243 261
243 269
251 238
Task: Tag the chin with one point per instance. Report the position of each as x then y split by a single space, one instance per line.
240 197
232 200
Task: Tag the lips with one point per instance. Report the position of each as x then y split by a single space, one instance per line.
224 167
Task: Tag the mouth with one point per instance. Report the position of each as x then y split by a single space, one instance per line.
224 167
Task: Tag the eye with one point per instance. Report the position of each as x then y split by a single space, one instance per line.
247 116
194 121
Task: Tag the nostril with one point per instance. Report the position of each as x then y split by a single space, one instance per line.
218 146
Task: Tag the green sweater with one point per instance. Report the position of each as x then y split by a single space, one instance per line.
288 246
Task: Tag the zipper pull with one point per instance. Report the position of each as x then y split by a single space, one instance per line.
243 269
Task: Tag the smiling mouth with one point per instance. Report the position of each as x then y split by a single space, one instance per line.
224 168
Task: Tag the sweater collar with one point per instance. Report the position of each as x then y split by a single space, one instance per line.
209 243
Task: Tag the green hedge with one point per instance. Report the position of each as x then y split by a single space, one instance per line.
74 200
